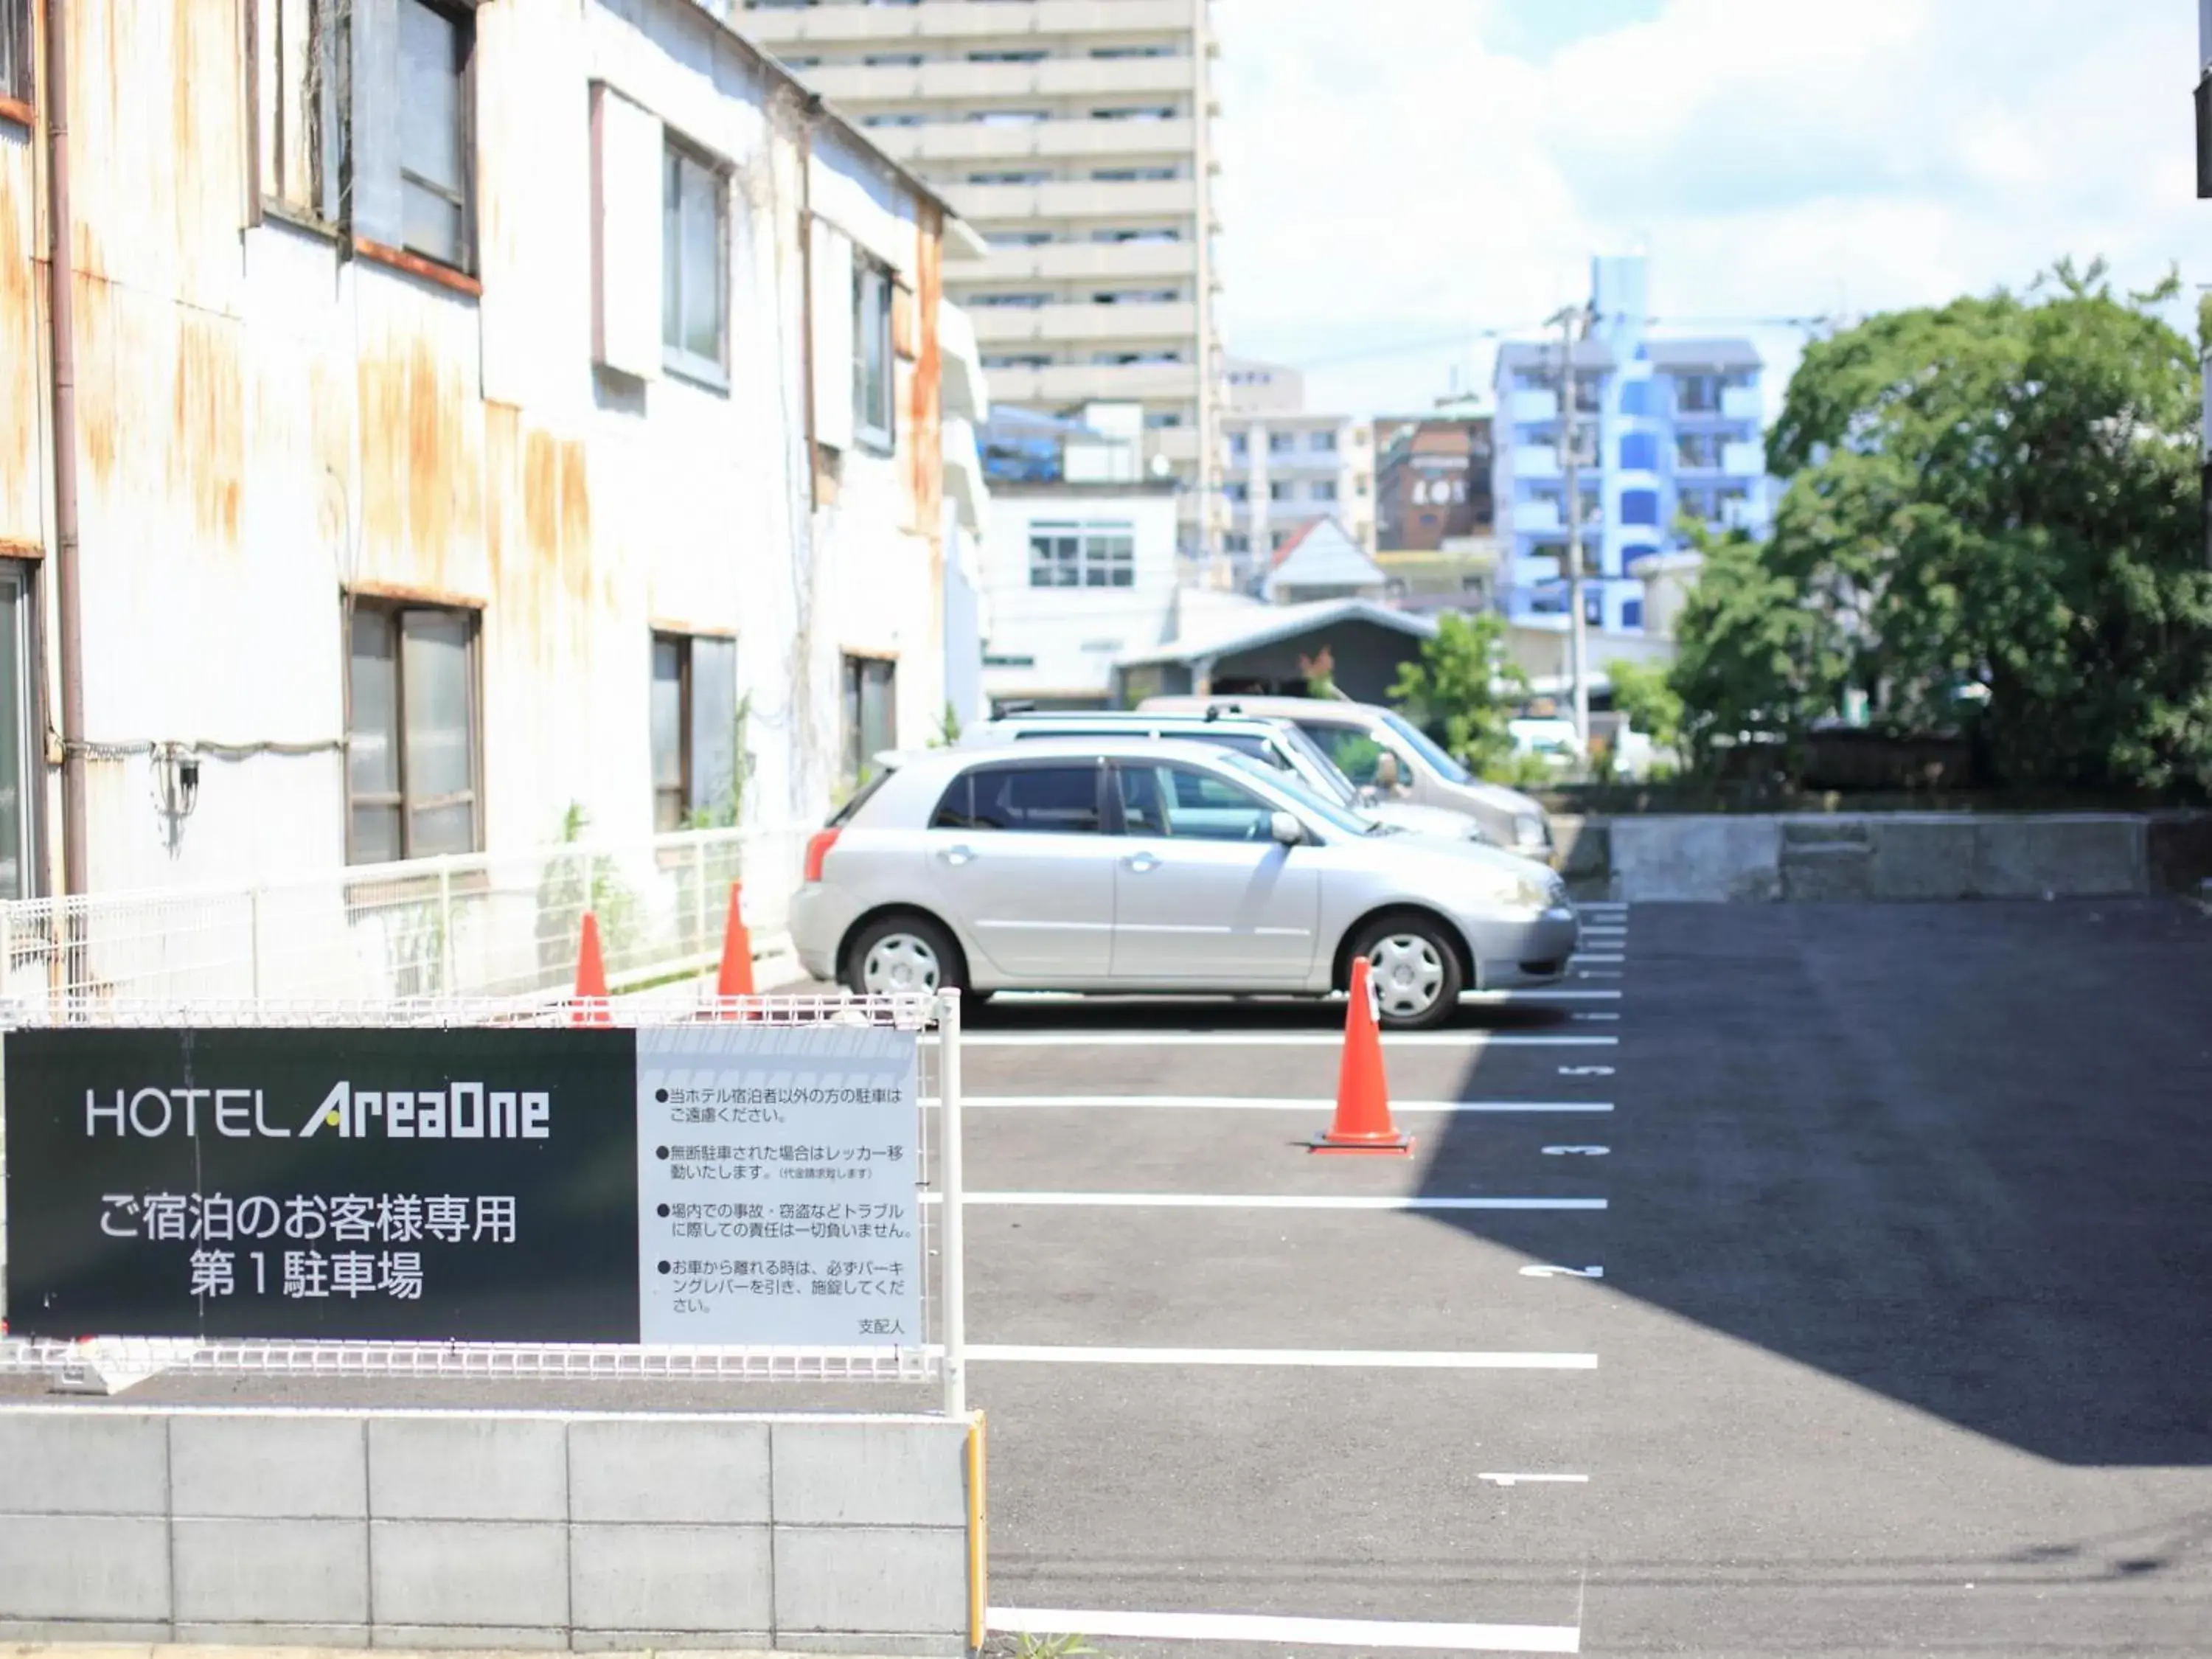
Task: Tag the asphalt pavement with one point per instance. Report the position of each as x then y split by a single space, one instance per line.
1808 1281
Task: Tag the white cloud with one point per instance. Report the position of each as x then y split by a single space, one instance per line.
1395 176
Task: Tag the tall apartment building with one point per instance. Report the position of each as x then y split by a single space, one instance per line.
1666 428
1076 136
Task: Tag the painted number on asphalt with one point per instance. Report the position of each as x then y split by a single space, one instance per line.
1562 1273
1576 1152
1585 1071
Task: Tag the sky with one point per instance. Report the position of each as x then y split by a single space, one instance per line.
1400 176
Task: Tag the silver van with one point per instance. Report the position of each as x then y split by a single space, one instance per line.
1381 750
1277 741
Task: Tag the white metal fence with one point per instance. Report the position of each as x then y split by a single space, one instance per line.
940 1354
488 925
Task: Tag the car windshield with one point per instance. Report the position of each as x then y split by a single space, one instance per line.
1296 788
1326 777
1452 770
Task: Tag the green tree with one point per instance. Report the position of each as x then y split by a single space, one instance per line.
1464 689
1993 504
1641 691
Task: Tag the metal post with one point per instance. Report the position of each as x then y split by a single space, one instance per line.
445 928
1569 441
699 935
954 1264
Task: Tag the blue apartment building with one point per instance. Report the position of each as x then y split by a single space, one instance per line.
1667 427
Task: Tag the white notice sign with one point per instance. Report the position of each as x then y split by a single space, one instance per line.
776 1181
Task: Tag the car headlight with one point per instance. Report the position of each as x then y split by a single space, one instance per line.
1529 830
1530 895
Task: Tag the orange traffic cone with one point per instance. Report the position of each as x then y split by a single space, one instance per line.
590 1007
736 978
1362 1093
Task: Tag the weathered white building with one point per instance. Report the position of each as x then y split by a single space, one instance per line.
454 415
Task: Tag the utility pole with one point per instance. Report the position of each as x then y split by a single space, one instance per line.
1571 464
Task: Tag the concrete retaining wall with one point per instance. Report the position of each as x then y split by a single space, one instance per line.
484 1529
1882 855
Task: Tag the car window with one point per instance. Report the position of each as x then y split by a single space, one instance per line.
1354 752
1446 768
1053 800
1189 805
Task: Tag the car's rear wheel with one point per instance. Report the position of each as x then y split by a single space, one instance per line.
1415 967
907 955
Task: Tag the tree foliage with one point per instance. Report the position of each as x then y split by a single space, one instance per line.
1464 689
1999 498
1641 690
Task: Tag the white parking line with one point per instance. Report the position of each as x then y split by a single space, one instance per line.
1535 1480
1257 1201
1265 1629
1291 1039
1256 1104
1547 994
1598 956
1400 1360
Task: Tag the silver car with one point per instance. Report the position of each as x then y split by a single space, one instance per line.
1131 864
1358 737
1280 743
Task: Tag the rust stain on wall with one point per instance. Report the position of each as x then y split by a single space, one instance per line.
925 475
208 426
422 495
22 320
98 421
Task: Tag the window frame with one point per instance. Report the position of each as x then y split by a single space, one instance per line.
18 32
879 436
677 153
26 686
857 756
393 611
464 20
1093 552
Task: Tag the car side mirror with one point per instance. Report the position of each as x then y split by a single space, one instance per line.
1286 829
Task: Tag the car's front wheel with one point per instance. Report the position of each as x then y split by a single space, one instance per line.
903 955
1415 967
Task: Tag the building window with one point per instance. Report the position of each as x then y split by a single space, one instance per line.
873 417
1026 55
891 120
1697 394
1693 450
1323 443
1636 396
694 271
1279 539
1237 490
871 714
1278 491
1024 176
1082 556
411 763
1236 541
1324 489
1281 443
16 77
1594 606
1133 175
1639 452
436 131
695 732
1631 613
299 121
1240 445
20 772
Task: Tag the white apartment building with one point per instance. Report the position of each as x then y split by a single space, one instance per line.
1286 467
1075 135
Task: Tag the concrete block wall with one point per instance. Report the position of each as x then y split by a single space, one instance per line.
484 1529
1881 855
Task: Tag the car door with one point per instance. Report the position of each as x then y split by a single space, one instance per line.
1017 854
1203 893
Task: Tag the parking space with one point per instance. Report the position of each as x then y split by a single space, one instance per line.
1843 1292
